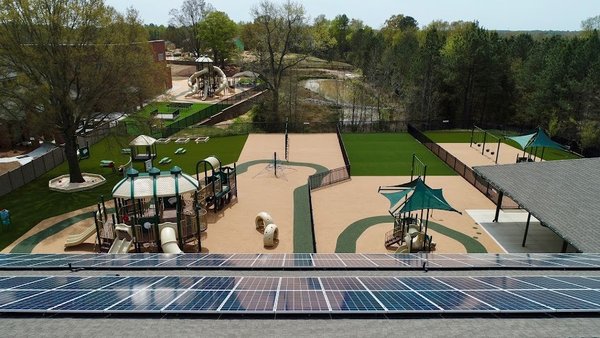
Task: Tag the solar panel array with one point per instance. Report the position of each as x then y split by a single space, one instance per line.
293 295
300 261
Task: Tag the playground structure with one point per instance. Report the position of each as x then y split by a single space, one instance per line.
489 143
219 186
264 224
152 210
147 143
410 230
209 81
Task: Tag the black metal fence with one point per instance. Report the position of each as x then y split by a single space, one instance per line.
329 177
462 169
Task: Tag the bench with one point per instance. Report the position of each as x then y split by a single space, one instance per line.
180 151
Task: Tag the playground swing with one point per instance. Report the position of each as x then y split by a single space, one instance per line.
485 144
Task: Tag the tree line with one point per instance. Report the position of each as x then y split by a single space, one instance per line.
458 71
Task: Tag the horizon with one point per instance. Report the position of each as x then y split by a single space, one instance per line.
508 15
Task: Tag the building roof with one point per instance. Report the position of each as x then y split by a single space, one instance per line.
563 195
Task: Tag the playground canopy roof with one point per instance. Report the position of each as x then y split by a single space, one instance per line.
563 195
422 197
538 139
145 186
142 140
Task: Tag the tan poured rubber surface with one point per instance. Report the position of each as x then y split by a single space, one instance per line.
338 206
471 155
232 230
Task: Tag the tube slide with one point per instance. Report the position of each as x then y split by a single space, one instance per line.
223 80
262 220
168 238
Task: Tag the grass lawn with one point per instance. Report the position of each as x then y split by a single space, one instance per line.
389 155
34 202
133 123
464 136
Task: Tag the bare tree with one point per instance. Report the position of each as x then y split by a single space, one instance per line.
280 31
73 61
191 13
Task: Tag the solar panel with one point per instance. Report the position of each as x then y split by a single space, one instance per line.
465 283
18 281
302 301
133 283
258 283
383 283
424 283
581 281
44 300
197 301
592 296
216 283
249 301
50 283
10 296
506 283
176 282
300 283
456 301
353 301
557 300
341 283
146 301
96 301
506 301
92 283
405 301
547 283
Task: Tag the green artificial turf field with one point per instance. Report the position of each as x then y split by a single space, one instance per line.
34 202
389 155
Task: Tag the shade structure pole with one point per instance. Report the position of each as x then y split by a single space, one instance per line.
526 229
564 246
426 223
498 206
497 151
542 156
484 139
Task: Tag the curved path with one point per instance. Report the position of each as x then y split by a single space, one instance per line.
346 241
303 231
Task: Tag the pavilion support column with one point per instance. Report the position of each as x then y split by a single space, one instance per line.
498 206
526 229
564 246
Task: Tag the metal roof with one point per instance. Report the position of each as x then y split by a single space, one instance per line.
563 195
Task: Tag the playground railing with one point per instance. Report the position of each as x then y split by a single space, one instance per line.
462 169
343 149
329 177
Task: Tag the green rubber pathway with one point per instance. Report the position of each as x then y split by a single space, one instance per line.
27 245
303 232
302 228
346 241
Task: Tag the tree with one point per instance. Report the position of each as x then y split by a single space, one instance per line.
75 61
216 32
281 30
191 13
591 24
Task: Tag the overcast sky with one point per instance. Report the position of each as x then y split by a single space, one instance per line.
491 14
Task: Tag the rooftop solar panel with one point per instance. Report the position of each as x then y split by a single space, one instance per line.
95 301
405 301
424 283
300 284
18 281
44 300
176 282
353 301
547 283
50 283
301 301
92 283
383 283
146 301
585 282
133 283
216 283
249 301
506 283
465 283
197 301
506 301
556 300
259 283
10 296
341 283
456 301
